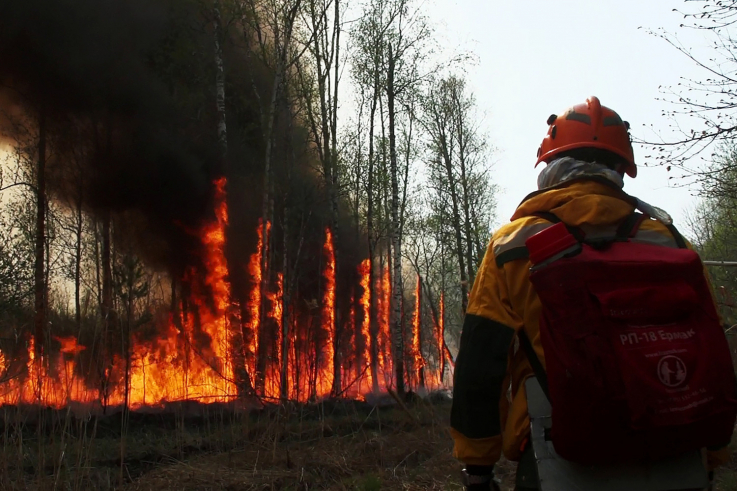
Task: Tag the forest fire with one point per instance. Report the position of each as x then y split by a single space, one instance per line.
254 269
416 348
364 358
384 338
325 376
441 339
193 356
276 299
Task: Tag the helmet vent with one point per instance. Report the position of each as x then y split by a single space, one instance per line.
580 117
551 119
613 121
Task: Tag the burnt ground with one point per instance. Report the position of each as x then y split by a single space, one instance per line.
345 445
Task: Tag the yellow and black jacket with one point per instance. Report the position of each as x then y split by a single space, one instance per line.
489 413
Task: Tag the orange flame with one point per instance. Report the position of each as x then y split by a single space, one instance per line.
274 369
69 345
254 269
418 360
163 370
178 365
364 360
385 358
349 366
325 379
441 338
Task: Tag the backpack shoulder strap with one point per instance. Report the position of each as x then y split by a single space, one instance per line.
579 234
630 225
680 241
532 357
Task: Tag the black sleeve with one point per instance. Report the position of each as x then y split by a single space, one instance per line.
480 370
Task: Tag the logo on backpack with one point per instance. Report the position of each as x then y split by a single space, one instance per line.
672 371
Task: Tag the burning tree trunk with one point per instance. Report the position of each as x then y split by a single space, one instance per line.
372 311
107 308
366 343
373 329
286 298
438 317
385 336
266 217
325 50
328 315
282 31
417 358
40 246
334 185
396 240
255 270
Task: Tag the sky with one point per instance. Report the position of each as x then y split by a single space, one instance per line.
538 57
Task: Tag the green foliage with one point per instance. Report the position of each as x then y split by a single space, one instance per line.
716 229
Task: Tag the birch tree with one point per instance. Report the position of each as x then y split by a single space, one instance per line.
458 167
407 50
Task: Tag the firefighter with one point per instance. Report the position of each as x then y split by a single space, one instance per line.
587 152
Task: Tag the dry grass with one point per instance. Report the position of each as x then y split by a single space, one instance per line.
389 448
331 446
343 445
726 477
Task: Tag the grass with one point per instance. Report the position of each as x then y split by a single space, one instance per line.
332 446
386 448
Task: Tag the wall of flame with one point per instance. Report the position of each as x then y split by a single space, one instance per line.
176 366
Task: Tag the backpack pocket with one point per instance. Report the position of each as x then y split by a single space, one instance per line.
660 340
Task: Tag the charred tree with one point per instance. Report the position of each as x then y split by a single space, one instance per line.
78 236
106 308
40 284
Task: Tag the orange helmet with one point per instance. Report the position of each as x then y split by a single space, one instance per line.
588 125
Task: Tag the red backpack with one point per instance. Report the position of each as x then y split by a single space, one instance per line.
638 366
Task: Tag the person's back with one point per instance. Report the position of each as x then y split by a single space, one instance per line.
588 151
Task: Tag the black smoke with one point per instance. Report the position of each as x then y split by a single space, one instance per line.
95 70
127 91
